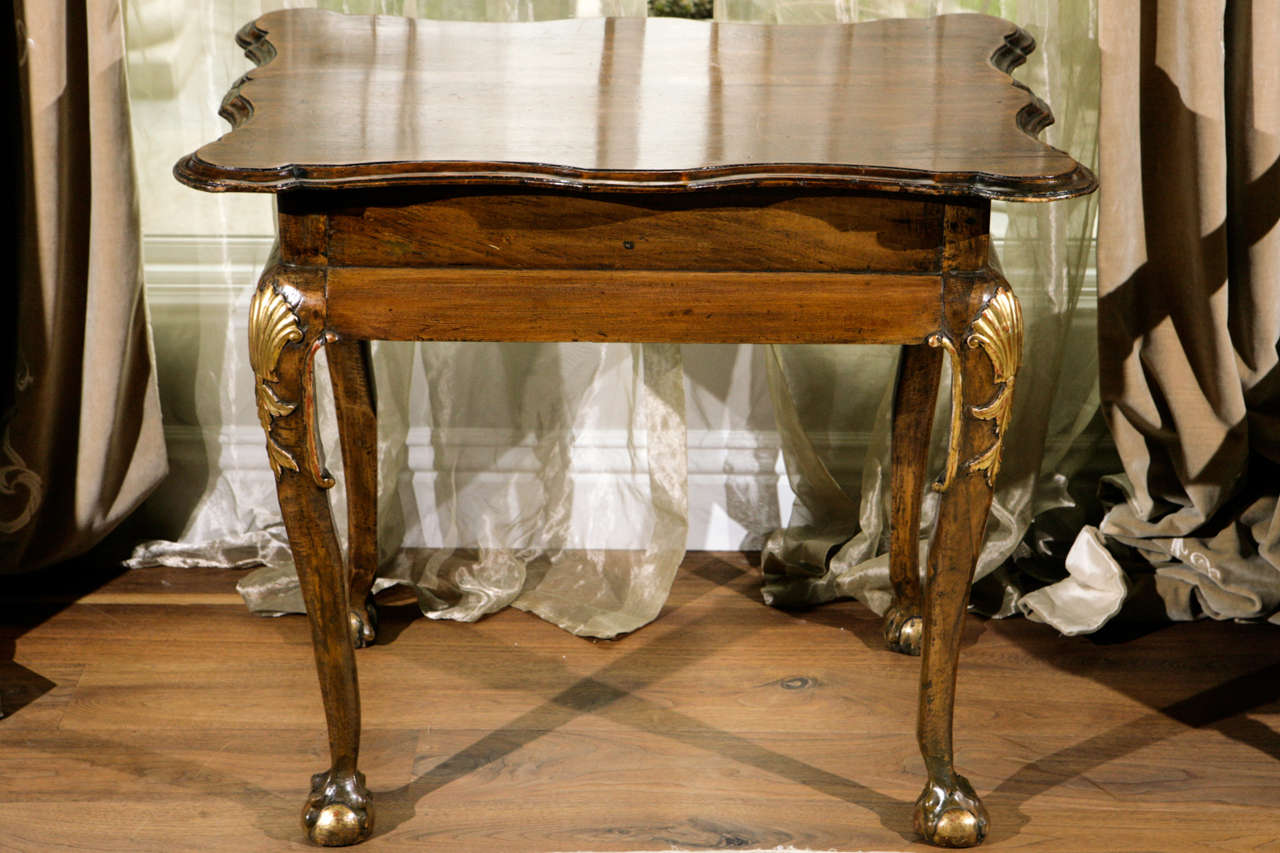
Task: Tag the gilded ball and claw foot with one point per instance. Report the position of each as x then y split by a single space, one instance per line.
363 621
951 815
339 811
903 630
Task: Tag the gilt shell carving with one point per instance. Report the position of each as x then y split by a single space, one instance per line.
272 325
998 330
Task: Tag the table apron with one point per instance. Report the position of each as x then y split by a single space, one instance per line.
636 306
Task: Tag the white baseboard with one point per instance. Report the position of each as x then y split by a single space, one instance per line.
737 493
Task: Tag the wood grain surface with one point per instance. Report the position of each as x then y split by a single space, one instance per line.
630 306
166 725
923 106
754 230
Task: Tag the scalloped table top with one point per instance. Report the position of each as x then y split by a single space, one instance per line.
923 106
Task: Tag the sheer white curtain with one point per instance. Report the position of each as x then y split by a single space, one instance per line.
554 477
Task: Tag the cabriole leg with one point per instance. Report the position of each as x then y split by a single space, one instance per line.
913 401
354 397
285 332
985 361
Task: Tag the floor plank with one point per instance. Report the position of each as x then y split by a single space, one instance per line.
153 713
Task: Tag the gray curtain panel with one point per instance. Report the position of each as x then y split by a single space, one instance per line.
1189 315
80 439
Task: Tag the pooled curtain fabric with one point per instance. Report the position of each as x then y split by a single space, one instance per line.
81 443
595 555
836 542
1189 314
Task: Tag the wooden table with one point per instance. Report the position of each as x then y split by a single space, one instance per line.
635 180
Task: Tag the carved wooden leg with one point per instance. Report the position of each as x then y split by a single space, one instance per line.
913 402
984 361
353 394
285 331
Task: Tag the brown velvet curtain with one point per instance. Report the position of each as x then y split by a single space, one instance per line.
1189 301
80 436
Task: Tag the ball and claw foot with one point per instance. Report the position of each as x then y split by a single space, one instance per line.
951 815
903 630
364 624
339 811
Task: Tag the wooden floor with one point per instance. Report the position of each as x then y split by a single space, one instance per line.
155 714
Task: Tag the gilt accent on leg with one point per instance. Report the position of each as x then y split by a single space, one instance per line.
338 811
272 326
285 333
315 465
949 814
998 331
903 629
363 621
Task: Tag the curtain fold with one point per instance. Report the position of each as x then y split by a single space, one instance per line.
82 442
837 448
1189 314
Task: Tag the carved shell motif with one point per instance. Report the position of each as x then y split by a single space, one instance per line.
272 325
998 330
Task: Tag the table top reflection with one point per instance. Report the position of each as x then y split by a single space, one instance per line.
919 105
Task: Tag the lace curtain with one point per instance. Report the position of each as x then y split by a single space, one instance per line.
594 553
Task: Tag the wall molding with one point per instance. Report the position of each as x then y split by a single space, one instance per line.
737 491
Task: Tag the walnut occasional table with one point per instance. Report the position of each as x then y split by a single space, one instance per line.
635 180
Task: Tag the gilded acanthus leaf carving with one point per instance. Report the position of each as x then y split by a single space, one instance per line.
998 330
272 325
